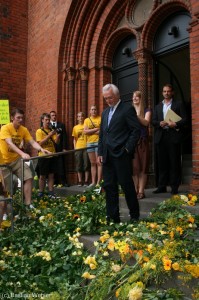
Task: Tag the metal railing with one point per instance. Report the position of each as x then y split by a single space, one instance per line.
42 157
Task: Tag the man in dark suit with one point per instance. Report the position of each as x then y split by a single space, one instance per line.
60 176
168 138
118 137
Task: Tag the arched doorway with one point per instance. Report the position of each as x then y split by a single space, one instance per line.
125 68
172 65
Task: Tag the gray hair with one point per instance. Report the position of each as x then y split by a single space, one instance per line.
113 87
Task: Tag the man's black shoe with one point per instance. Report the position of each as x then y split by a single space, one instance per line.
174 192
134 220
160 190
113 220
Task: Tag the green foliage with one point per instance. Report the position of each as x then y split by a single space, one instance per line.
44 257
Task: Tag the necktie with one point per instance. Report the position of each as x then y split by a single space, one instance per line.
110 114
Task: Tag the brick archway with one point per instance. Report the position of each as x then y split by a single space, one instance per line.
88 41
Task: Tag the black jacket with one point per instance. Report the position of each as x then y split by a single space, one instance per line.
176 134
122 133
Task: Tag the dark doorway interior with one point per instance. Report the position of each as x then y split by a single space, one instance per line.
172 65
125 69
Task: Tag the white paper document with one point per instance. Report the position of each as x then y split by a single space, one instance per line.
172 116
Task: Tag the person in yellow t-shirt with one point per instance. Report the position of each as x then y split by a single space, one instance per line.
2 191
91 129
81 156
12 136
47 138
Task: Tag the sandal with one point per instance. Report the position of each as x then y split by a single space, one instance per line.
140 196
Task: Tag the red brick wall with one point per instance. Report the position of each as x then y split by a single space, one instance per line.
13 51
46 23
194 66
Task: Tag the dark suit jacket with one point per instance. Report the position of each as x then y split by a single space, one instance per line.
122 132
176 134
63 138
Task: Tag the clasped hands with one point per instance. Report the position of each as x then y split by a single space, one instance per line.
169 124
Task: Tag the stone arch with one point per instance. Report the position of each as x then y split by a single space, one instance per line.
113 42
156 18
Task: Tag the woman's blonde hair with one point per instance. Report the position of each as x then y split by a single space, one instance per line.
139 94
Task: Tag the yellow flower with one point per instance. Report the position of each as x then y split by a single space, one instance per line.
172 234
111 244
87 275
184 198
90 260
176 266
167 263
153 225
93 266
44 254
179 229
149 248
115 233
117 293
145 258
135 293
5 224
116 268
194 198
191 219
41 219
193 270
153 266
104 237
82 199
191 203
2 264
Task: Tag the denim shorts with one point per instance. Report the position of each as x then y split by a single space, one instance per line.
94 149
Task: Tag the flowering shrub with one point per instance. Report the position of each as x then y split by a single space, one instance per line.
44 255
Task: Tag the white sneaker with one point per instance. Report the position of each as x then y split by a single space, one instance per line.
5 216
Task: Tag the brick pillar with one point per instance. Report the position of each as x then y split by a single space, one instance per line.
144 59
71 75
84 89
71 72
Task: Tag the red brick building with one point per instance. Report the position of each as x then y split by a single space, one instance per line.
57 55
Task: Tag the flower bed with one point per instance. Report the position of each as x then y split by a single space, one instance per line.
44 258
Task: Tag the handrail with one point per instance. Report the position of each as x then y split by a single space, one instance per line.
23 160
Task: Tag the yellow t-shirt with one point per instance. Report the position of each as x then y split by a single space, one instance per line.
18 137
79 136
1 162
48 145
92 138
1 159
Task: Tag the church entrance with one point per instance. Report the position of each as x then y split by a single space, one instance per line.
172 65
